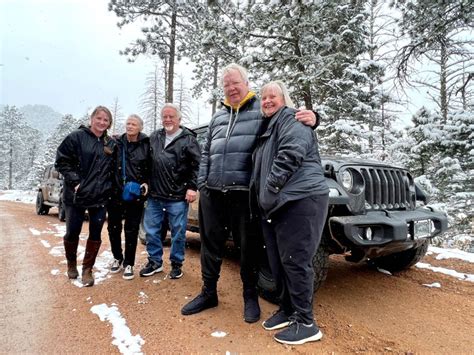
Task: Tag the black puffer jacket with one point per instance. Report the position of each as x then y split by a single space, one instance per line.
287 165
137 162
226 162
174 169
85 159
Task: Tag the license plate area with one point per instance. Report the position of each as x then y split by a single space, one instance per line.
422 229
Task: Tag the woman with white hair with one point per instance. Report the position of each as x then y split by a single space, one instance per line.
131 169
292 196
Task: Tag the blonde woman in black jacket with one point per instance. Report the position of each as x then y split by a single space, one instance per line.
292 195
85 160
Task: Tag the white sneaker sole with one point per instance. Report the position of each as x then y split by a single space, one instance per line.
116 271
315 337
131 277
275 327
160 269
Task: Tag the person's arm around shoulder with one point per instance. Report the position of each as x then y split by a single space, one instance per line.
308 117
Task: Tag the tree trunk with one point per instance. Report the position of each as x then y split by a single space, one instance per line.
172 57
214 84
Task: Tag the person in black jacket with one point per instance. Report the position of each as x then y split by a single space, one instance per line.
85 159
288 181
133 152
175 156
223 181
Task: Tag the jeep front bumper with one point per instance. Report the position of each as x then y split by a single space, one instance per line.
391 230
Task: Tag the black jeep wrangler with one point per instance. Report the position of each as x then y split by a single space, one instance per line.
377 214
50 193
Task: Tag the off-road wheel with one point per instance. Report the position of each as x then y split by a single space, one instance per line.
41 208
402 260
321 263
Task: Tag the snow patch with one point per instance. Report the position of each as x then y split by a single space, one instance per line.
45 243
383 271
449 272
55 272
219 334
19 196
452 254
122 337
34 231
433 285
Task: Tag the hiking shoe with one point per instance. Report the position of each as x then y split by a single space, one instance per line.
150 269
206 299
298 333
277 321
251 306
176 272
128 273
116 266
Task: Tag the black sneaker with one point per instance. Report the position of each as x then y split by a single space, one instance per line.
150 269
206 299
277 321
176 272
298 333
116 266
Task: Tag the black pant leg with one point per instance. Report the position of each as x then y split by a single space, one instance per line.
96 222
298 226
115 211
212 229
249 233
133 217
74 221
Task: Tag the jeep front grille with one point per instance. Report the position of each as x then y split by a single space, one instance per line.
388 188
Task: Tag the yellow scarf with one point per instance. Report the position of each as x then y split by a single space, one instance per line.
250 94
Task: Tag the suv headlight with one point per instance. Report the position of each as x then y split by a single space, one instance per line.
352 181
347 180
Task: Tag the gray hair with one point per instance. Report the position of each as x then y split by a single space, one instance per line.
281 88
234 66
134 116
174 107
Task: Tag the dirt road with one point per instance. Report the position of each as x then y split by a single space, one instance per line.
358 309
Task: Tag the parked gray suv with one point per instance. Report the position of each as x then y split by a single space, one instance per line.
50 193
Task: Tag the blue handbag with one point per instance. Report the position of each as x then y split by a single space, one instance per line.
131 189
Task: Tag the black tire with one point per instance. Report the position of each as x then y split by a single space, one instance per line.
402 260
266 284
41 208
61 211
321 263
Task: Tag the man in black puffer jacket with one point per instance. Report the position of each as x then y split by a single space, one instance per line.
175 157
223 182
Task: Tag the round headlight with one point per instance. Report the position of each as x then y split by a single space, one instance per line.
347 180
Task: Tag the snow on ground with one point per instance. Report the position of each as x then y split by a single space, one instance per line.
459 275
19 196
451 254
122 337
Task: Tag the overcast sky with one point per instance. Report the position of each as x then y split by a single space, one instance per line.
65 54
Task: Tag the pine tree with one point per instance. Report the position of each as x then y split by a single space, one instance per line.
152 99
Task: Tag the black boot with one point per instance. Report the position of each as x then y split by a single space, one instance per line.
92 249
206 299
71 256
251 306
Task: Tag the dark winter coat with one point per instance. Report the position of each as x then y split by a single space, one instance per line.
174 169
83 158
226 162
287 165
137 162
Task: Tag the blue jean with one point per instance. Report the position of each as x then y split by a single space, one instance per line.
177 212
